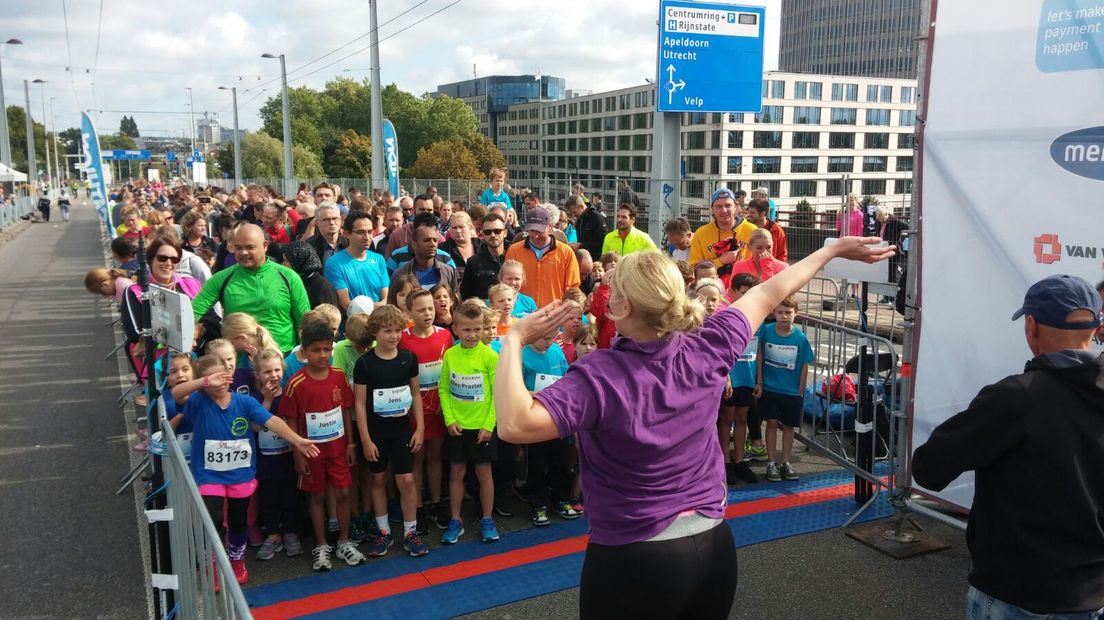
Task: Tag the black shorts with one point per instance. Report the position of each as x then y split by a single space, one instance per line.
782 407
464 449
741 397
394 450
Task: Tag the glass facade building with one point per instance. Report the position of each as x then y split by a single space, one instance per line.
871 38
492 95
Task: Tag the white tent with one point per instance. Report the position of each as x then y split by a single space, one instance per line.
11 174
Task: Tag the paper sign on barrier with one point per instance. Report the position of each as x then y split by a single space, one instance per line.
171 318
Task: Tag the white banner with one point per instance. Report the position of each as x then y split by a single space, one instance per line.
1012 185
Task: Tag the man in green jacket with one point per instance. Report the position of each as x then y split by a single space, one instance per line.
627 239
271 293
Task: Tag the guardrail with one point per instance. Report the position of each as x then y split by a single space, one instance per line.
854 433
199 560
11 213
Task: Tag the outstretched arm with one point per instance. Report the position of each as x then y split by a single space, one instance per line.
761 300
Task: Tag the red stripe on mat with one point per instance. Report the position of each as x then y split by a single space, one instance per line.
383 588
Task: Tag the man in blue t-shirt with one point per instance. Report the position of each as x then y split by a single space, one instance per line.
355 271
782 369
426 265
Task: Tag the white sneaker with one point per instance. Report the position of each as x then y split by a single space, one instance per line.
321 555
346 550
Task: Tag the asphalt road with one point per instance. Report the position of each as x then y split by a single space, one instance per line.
72 547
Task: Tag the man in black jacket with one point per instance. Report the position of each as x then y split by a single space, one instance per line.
481 271
1036 443
590 226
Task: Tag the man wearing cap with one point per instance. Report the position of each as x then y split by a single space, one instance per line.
1036 443
722 240
550 267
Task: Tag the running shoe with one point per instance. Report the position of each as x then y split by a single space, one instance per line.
502 509
757 454
488 530
788 472
576 503
414 545
357 531
440 514
321 555
567 511
454 532
772 472
540 516
346 550
380 545
742 471
270 547
240 573
292 545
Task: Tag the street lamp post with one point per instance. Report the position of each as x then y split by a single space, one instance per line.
53 123
5 141
379 172
32 165
237 138
45 135
191 108
289 165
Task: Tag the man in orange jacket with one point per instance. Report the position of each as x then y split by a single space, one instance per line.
550 267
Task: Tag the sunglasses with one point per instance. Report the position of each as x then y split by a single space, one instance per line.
493 231
164 257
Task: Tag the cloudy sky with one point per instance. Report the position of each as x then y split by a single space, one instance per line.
139 57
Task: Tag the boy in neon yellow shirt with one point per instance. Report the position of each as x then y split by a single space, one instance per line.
467 404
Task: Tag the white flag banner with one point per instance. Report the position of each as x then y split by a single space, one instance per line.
1012 179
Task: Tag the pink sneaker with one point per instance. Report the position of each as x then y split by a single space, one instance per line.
240 573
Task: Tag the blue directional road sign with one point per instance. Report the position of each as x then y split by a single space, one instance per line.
119 154
170 156
710 57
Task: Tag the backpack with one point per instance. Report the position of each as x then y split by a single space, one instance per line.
840 388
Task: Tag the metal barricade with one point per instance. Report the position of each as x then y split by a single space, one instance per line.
198 555
858 435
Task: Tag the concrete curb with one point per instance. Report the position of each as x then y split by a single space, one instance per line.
10 232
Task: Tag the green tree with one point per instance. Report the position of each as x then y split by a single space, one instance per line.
486 153
17 135
447 159
318 118
114 141
127 127
262 156
70 141
307 165
352 156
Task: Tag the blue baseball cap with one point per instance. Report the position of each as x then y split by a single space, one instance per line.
724 192
1051 299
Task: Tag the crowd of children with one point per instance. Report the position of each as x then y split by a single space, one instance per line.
383 415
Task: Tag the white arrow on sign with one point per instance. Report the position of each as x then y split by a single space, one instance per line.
672 85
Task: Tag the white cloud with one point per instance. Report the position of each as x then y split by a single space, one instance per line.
150 53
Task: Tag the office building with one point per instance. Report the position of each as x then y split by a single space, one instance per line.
816 138
490 96
873 38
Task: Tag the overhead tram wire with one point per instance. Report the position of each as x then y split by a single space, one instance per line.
69 51
337 49
346 57
96 57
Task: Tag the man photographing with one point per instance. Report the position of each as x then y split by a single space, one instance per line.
1036 443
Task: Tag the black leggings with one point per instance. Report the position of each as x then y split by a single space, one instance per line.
236 513
280 506
691 577
754 422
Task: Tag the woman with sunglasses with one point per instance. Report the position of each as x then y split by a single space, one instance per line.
164 255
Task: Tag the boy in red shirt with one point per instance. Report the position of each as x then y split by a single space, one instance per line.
316 402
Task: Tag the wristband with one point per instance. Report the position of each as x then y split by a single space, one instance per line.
206 381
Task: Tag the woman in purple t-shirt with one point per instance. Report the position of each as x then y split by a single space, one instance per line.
645 412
